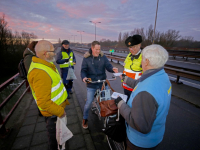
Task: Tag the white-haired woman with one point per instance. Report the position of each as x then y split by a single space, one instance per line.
147 109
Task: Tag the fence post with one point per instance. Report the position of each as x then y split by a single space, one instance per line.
27 84
177 80
2 127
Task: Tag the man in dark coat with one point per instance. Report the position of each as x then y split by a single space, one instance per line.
66 58
94 66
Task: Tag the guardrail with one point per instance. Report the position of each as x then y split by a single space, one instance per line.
179 72
3 131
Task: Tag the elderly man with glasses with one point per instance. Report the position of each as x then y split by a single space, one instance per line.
47 88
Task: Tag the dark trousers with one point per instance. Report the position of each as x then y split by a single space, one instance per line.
128 93
69 85
51 131
131 146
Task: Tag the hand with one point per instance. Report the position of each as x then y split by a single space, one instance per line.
64 114
118 100
74 63
84 79
67 60
115 69
123 77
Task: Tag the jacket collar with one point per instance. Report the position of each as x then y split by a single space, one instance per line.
149 73
65 50
89 53
41 61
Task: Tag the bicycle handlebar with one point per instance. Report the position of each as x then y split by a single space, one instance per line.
99 81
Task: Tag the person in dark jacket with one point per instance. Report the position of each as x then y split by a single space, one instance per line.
147 108
28 54
66 58
94 66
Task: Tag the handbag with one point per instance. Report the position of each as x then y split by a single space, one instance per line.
108 107
115 128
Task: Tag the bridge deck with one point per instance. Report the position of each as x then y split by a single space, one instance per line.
31 133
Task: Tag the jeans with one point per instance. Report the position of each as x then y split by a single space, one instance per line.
90 98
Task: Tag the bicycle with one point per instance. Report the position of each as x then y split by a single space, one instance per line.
100 95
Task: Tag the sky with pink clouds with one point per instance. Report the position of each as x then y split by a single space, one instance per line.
54 19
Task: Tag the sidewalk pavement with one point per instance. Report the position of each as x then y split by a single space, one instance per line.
33 135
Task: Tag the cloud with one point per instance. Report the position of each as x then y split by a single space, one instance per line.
124 1
82 9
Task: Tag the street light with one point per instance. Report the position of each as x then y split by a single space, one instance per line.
155 22
81 36
95 27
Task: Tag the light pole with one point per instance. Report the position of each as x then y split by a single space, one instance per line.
95 27
81 36
155 22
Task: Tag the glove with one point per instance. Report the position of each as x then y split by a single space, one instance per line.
123 77
118 100
67 60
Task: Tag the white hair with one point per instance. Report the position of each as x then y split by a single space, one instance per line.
156 55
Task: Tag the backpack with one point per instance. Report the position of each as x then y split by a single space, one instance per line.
22 70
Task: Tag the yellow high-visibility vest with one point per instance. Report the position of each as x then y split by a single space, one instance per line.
58 91
132 69
66 56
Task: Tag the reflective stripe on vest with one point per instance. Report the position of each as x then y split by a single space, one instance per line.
66 56
58 91
132 69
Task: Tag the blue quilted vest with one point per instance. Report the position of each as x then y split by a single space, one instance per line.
159 86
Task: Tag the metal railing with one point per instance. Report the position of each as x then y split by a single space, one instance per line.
179 72
3 130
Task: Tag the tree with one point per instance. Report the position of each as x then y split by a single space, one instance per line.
12 47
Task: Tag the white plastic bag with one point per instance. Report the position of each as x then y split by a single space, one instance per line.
62 132
71 75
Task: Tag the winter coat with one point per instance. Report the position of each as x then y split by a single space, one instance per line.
27 55
59 60
41 83
95 68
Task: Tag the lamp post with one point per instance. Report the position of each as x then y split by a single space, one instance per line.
81 36
95 27
155 22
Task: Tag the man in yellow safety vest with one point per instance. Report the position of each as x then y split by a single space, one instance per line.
66 59
47 88
132 63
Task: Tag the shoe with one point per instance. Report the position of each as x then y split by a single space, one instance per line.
85 124
68 97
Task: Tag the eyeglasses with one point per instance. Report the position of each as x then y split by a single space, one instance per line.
49 51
